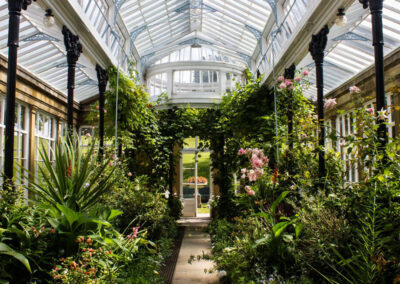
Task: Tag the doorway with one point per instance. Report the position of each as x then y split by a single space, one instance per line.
196 181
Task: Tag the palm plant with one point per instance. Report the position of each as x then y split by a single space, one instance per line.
76 179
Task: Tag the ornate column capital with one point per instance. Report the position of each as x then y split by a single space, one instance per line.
364 3
18 5
318 44
72 45
102 78
374 5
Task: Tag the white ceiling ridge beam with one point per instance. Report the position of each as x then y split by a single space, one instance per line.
123 27
175 46
188 65
321 13
267 30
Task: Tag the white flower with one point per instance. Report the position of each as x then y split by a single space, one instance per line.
86 185
222 273
382 114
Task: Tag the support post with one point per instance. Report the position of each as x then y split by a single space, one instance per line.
102 78
376 7
14 11
74 50
289 74
317 48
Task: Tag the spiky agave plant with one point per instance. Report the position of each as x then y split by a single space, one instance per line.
76 179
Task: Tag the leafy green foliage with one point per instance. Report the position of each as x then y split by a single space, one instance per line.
76 181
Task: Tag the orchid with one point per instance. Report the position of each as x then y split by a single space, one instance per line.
354 90
330 103
288 82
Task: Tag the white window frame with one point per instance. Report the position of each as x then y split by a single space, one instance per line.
21 146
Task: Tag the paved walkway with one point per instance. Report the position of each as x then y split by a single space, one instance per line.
195 241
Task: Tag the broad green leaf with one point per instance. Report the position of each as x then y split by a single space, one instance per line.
5 249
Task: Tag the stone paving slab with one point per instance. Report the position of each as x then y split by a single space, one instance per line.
195 241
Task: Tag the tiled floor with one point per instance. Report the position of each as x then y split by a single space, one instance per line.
195 242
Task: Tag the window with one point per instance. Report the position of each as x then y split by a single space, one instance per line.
196 81
45 137
391 123
157 84
21 138
345 125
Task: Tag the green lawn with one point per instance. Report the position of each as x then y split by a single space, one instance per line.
203 165
203 209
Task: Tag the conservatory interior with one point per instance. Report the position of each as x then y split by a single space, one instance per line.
200 141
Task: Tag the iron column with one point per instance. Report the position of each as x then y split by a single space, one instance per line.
14 11
289 74
317 48
376 7
74 50
102 78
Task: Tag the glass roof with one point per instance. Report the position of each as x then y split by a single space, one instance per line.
349 50
42 53
155 25
161 31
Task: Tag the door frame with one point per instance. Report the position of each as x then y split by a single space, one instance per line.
195 151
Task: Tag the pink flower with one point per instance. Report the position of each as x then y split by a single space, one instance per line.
252 175
305 73
288 82
265 161
105 111
370 110
354 90
243 176
291 88
281 79
259 172
292 187
111 164
87 135
282 86
97 107
251 192
134 233
241 151
248 151
342 143
297 79
330 103
304 135
129 174
243 171
247 188
256 162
